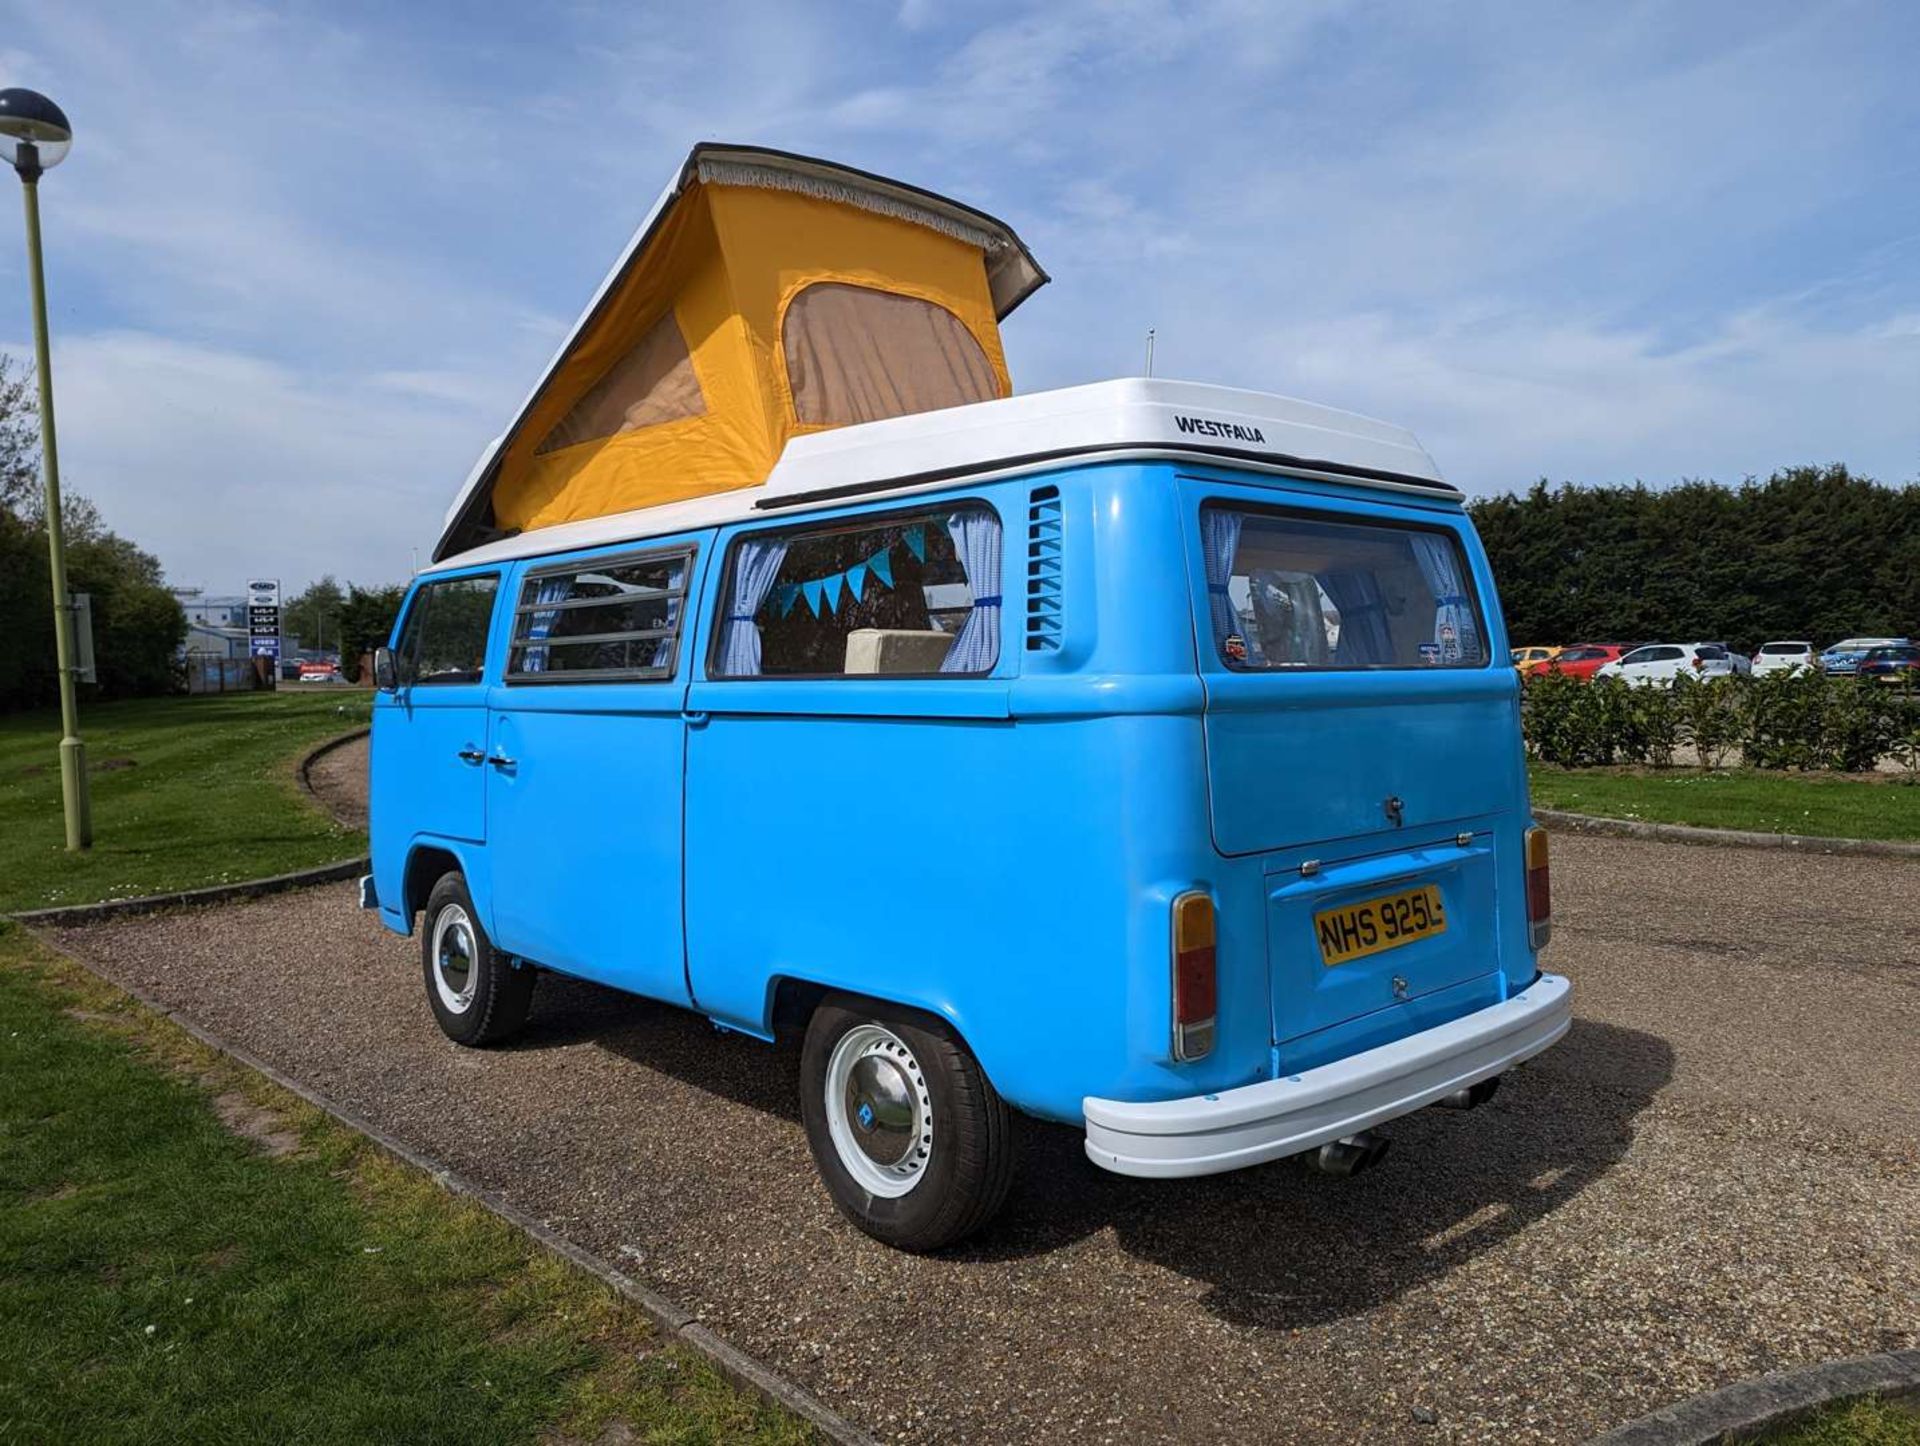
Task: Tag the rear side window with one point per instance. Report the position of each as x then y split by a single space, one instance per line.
912 593
445 636
608 620
1778 648
1286 590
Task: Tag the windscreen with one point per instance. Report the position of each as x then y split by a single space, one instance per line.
1285 590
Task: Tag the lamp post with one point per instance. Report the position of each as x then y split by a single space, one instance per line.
34 135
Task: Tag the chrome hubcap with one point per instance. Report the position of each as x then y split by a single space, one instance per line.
454 952
879 1112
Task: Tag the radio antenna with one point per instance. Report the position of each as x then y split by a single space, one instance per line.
1149 351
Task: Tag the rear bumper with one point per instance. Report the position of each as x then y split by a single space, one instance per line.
1207 1134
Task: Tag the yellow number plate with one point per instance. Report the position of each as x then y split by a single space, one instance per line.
1384 923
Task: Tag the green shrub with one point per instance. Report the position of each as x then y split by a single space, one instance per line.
1650 730
1860 724
1798 720
1709 715
1782 719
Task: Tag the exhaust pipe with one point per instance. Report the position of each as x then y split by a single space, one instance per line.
1348 1157
1470 1098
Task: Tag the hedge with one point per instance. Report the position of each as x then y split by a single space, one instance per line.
1782 720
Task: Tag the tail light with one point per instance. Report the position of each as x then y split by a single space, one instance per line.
1195 995
1698 661
1539 891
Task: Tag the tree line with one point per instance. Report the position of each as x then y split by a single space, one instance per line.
1811 552
351 621
137 624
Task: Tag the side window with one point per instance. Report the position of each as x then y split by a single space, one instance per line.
912 594
445 637
600 621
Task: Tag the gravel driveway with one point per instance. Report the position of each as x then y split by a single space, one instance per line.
1715 1174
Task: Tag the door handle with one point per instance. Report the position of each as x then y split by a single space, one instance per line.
696 720
470 754
500 760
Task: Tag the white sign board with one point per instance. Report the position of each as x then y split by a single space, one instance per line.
263 592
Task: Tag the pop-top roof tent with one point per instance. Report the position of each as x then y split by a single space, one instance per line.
767 295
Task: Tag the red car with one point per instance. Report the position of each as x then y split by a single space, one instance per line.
1583 659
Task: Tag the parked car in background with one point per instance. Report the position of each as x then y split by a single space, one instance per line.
1784 657
1529 660
1663 662
1844 656
1583 660
320 673
1898 666
1742 664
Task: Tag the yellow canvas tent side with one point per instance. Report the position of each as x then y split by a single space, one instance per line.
767 295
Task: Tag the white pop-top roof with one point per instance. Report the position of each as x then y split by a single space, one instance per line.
1131 417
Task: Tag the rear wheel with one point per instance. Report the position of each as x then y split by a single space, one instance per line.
477 995
913 1142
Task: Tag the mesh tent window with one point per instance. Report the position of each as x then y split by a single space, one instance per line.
857 354
653 383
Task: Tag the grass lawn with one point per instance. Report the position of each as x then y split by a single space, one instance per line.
187 1253
1859 1423
1764 802
186 792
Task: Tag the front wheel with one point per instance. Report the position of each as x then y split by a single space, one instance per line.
478 996
913 1142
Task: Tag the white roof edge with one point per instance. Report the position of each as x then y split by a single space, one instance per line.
1136 416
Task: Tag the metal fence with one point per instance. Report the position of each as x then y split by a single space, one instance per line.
208 673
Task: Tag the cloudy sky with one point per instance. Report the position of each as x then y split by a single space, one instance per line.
306 258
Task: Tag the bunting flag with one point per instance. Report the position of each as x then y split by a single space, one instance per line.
822 594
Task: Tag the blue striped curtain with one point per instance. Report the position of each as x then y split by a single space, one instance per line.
1440 565
976 542
1219 540
1364 637
548 590
663 650
755 567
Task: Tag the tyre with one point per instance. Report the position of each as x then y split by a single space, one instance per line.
476 994
914 1144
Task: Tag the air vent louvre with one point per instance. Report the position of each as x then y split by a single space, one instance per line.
1045 589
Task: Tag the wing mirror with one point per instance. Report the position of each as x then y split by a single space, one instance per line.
386 677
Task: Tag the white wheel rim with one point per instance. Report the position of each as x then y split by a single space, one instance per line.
456 970
879 1113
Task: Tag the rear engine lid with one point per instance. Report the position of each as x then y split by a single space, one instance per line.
1379 931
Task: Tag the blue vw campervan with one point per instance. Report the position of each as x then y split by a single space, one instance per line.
1140 756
